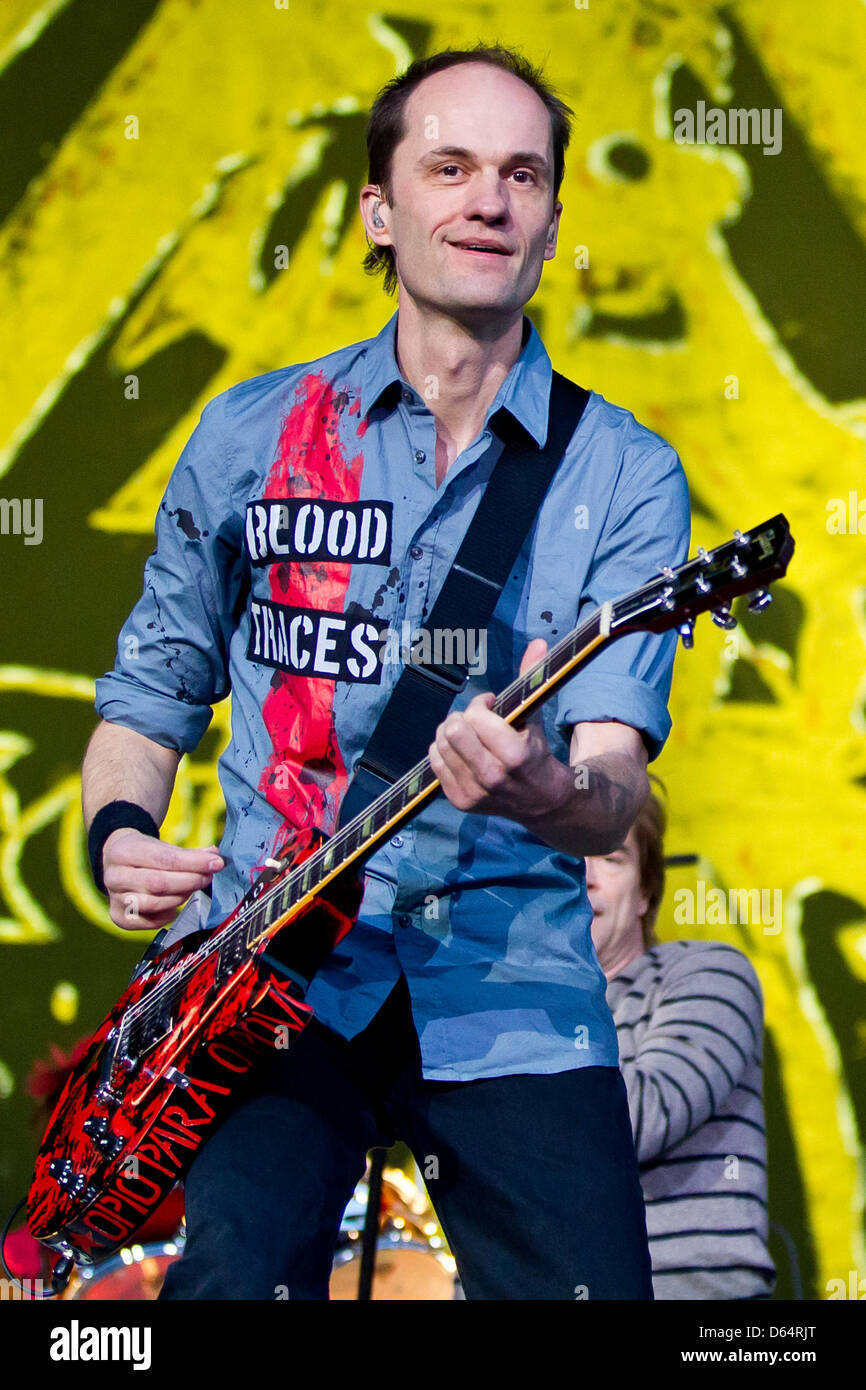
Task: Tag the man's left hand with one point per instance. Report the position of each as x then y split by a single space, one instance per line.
486 766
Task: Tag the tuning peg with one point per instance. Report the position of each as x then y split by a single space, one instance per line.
687 632
723 617
740 539
759 600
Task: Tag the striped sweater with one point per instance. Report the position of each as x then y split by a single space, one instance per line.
689 1021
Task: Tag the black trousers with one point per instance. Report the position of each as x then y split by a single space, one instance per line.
534 1178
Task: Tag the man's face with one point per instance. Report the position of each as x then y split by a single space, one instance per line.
616 898
475 165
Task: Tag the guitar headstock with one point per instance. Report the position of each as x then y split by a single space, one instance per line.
710 581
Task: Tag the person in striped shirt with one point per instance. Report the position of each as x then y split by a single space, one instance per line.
689 1019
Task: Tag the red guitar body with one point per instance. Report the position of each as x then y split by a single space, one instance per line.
144 1097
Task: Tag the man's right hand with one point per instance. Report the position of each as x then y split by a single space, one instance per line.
147 880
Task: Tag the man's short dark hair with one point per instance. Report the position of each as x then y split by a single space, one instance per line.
385 125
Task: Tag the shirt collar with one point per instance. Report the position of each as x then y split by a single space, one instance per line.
525 392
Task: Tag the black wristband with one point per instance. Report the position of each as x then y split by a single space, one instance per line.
112 817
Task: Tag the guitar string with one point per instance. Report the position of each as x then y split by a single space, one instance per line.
566 647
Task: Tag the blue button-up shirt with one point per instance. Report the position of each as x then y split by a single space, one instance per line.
301 541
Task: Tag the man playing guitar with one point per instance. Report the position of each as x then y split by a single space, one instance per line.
465 1012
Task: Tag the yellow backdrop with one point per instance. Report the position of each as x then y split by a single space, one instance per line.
179 193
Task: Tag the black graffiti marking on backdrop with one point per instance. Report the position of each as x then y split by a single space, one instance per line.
317 642
302 528
664 325
791 1239
783 629
793 243
841 993
46 87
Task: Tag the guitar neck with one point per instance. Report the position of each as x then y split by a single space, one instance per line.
671 600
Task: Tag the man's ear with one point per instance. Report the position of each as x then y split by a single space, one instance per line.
374 207
553 232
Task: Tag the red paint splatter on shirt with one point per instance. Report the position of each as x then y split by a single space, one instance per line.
305 778
355 409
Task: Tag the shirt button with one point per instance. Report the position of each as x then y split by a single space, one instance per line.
419 455
407 397
416 552
404 919
397 841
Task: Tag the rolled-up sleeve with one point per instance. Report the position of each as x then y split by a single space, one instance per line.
629 679
172 662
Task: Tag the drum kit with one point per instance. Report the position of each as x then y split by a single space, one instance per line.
412 1260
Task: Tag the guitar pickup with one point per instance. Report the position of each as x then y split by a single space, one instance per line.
96 1127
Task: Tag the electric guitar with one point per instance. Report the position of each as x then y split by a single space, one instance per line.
173 1056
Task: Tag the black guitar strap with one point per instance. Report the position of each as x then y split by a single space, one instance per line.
424 692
